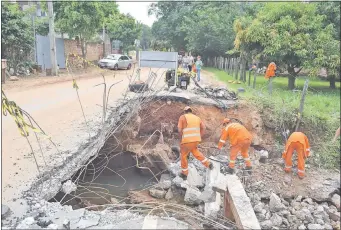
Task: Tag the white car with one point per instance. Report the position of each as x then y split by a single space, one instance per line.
115 61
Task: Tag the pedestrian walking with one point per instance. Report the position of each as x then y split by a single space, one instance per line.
185 62
198 65
190 63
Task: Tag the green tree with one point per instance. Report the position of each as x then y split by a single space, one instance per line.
287 33
79 19
125 28
146 37
17 36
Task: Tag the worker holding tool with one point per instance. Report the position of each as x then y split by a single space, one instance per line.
297 142
191 129
240 141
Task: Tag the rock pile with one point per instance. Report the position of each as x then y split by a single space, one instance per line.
275 212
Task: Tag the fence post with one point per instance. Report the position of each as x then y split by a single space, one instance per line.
249 83
304 92
236 67
270 85
254 79
241 64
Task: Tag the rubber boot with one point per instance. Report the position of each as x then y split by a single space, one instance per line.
249 169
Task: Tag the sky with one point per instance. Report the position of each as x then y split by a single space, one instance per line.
138 9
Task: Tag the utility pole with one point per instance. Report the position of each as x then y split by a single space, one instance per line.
53 55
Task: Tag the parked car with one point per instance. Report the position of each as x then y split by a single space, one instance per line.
115 61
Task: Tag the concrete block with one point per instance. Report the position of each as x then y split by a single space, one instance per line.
192 196
165 182
208 195
160 194
212 208
240 204
194 179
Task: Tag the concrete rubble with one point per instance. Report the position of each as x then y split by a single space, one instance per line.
69 187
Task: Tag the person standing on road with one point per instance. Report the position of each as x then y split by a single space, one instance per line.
240 141
191 129
198 65
190 63
185 62
297 142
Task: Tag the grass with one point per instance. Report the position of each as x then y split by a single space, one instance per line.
321 114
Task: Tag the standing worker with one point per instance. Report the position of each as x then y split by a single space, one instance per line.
271 70
191 128
190 62
240 141
299 142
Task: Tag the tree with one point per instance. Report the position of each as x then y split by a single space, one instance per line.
287 32
146 37
125 28
79 19
17 38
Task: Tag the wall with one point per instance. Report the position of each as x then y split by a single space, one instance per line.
94 50
43 52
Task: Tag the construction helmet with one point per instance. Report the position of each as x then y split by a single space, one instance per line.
187 108
226 120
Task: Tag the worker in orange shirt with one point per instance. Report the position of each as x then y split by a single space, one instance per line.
240 141
191 128
297 142
271 70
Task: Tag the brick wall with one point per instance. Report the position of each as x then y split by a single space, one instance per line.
94 50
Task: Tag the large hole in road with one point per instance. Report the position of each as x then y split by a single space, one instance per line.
134 158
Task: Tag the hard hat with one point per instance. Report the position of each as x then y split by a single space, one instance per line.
187 108
226 120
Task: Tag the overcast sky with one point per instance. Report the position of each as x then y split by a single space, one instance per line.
138 9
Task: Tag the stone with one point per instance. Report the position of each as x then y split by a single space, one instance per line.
275 203
308 200
261 216
320 221
192 196
336 201
259 207
177 181
69 187
165 182
88 222
335 216
267 215
52 226
25 224
332 208
301 227
296 205
113 200
266 224
208 195
13 78
241 90
304 214
174 168
264 154
284 213
327 227
169 194
160 194
299 198
5 211
314 226
194 179
276 220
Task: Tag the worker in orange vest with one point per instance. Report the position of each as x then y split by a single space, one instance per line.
191 128
271 70
297 142
240 141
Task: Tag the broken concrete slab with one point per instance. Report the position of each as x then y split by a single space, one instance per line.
336 201
192 196
208 195
169 194
174 168
212 208
275 203
160 194
194 179
165 182
177 181
240 204
5 211
69 187
86 222
155 222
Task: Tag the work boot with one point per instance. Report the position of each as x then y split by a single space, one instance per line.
210 166
230 170
248 169
183 176
301 177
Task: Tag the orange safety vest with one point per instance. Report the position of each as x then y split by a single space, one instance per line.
235 132
192 132
301 138
271 70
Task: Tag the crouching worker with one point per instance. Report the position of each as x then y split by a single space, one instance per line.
297 142
191 128
240 141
